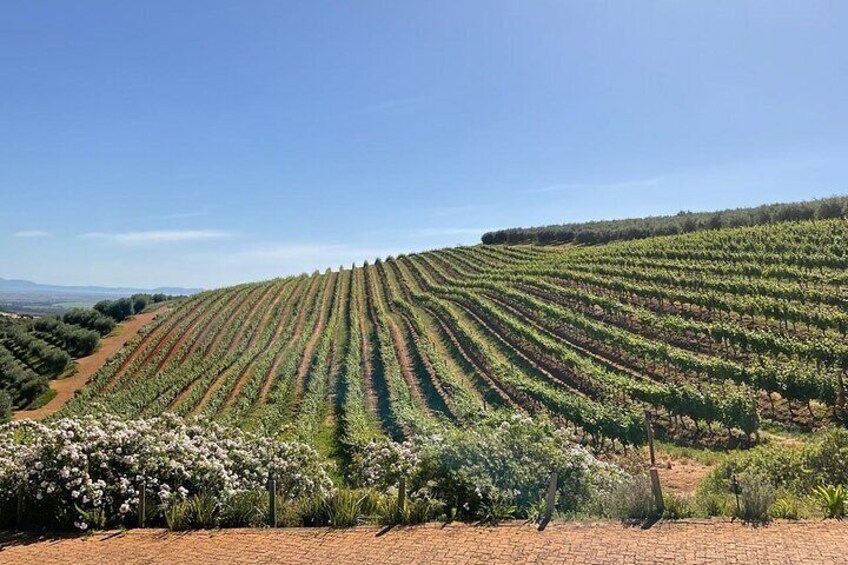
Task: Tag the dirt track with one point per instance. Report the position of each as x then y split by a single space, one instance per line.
87 366
690 541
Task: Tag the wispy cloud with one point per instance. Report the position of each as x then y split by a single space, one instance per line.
395 105
634 183
159 236
31 233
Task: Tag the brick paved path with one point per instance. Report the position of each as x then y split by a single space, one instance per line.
690 541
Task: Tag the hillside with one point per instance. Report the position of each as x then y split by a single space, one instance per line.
715 331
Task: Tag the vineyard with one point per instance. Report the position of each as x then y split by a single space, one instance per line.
715 332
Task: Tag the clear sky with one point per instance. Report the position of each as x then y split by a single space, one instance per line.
209 143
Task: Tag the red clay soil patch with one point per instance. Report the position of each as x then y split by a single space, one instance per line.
87 366
686 541
681 476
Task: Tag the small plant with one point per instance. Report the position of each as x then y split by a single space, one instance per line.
308 511
832 500
632 499
497 510
537 511
784 509
203 509
756 497
177 515
416 511
711 504
420 510
246 508
677 507
95 517
344 508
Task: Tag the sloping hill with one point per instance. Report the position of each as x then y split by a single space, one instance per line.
714 331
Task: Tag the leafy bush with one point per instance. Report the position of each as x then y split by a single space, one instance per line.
677 507
756 498
497 509
90 319
74 340
784 509
415 511
832 499
711 504
345 508
631 499
72 468
793 469
119 310
5 407
828 458
245 508
177 515
381 464
203 510
509 459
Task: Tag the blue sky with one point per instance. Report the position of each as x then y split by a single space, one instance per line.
210 143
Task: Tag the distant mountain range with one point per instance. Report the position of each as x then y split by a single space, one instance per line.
19 286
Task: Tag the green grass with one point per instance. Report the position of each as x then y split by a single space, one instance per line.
70 369
115 331
42 399
702 455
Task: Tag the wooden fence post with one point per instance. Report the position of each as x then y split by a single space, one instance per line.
401 497
649 430
272 501
550 498
656 488
142 504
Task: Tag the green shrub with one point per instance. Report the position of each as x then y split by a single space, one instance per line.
308 511
345 508
496 510
784 509
797 469
756 498
711 504
177 515
416 511
537 511
509 458
247 508
5 407
632 499
832 500
828 458
677 507
203 511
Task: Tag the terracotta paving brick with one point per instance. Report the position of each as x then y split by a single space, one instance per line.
688 541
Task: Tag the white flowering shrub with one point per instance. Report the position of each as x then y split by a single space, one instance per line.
507 460
381 464
75 471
